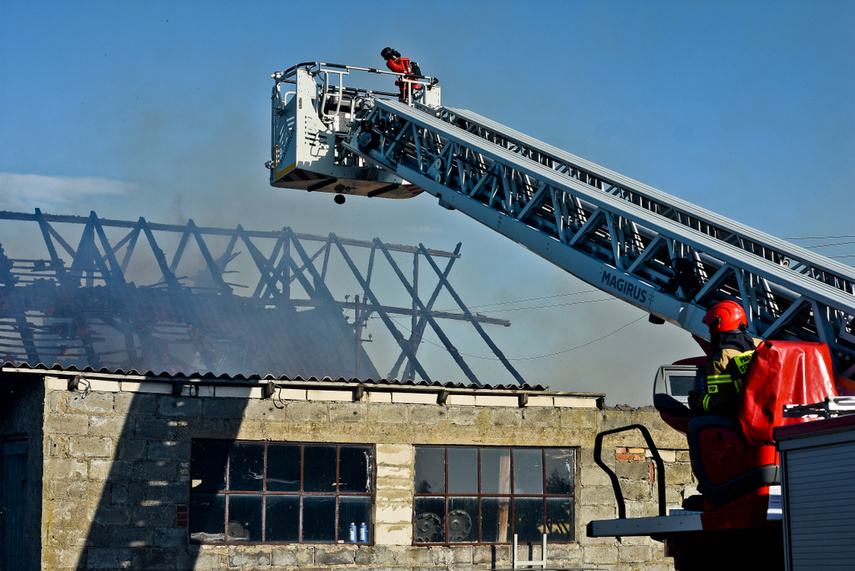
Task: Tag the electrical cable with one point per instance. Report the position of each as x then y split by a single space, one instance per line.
528 299
583 345
822 237
548 306
489 311
828 245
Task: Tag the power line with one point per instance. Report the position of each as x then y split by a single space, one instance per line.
822 237
583 345
528 299
492 311
548 306
829 245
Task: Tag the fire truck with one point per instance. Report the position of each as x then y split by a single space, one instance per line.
335 130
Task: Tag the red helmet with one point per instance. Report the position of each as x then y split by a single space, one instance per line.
725 316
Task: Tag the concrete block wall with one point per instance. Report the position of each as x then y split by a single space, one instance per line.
116 474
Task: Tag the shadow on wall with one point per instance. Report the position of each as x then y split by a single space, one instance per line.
142 518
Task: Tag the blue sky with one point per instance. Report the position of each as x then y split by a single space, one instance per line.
161 110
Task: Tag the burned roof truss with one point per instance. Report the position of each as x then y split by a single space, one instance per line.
182 298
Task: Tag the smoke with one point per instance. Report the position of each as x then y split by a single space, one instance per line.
25 191
141 295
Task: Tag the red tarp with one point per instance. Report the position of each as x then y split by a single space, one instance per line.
781 373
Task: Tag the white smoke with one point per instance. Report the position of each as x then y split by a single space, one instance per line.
26 191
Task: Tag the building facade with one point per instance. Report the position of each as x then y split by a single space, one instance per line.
106 470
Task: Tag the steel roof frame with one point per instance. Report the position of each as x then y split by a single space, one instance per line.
96 261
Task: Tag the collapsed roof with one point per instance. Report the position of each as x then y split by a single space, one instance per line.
183 299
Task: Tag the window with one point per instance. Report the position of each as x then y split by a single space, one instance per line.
280 493
486 495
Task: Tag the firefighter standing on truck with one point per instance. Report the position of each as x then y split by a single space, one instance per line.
732 349
402 65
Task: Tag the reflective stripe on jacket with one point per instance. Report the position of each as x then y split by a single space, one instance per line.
725 370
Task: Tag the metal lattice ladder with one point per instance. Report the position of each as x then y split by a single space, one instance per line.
668 257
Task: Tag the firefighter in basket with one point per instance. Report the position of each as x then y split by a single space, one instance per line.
732 349
404 66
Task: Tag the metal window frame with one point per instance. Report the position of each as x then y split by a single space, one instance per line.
511 495
264 493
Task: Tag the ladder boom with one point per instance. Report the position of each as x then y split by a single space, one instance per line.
664 255
722 228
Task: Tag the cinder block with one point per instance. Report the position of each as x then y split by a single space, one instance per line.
506 417
389 413
348 412
302 411
90 447
427 414
292 556
67 423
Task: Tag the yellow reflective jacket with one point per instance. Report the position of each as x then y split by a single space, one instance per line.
725 370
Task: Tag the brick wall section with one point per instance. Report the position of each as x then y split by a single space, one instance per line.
116 477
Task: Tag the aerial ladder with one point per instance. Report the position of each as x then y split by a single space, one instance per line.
662 254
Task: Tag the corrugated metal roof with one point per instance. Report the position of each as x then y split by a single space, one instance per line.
10 367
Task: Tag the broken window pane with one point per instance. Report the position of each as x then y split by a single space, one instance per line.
354 469
559 471
354 510
528 519
559 519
